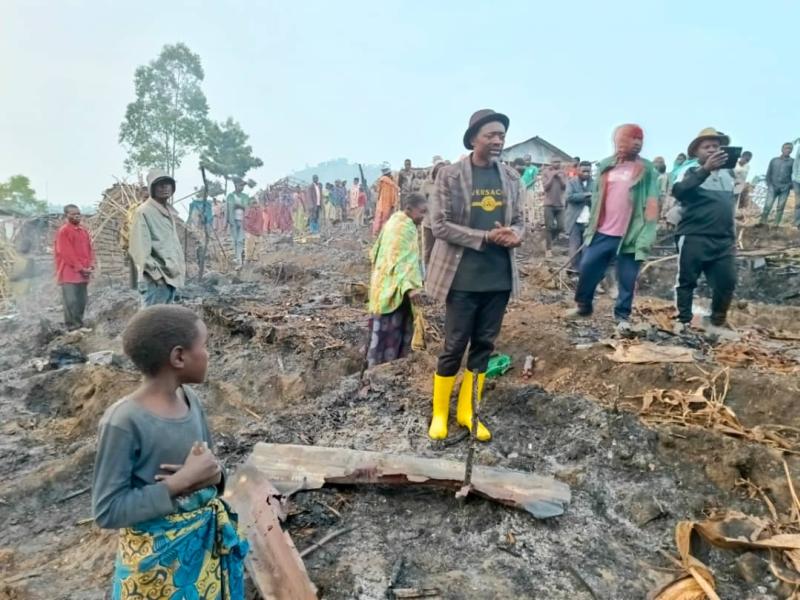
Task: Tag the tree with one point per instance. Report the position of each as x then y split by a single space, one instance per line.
17 195
215 188
227 153
168 119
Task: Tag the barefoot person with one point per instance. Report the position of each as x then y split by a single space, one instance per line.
477 222
622 224
156 478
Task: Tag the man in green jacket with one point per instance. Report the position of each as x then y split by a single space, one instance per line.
622 224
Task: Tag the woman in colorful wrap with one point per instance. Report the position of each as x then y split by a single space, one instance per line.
156 478
396 283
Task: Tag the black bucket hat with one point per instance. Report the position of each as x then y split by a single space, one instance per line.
478 120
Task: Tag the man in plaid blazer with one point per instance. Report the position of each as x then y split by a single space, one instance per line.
477 222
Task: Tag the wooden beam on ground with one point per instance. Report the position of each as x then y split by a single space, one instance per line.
292 468
273 561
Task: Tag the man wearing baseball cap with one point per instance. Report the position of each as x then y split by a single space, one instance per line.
707 231
154 243
477 222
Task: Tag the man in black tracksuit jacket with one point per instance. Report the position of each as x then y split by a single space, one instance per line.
706 233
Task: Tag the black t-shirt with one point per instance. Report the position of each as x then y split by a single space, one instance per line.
487 270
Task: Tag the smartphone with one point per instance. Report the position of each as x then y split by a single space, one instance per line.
734 153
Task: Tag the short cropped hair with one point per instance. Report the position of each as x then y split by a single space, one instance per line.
154 332
747 154
585 163
68 207
414 200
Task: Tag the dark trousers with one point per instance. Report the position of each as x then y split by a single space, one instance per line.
474 319
427 246
714 257
774 196
74 296
575 241
796 185
553 224
596 259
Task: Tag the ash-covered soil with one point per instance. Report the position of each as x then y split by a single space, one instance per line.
287 341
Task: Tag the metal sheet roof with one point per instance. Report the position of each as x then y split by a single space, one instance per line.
541 151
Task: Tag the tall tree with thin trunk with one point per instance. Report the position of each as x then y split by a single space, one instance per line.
227 153
169 117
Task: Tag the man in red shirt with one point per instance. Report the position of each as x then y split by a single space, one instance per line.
74 265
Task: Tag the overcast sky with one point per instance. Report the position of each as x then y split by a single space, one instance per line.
375 81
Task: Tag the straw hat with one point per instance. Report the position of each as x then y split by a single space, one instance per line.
709 133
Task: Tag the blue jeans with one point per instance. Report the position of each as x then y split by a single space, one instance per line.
237 234
158 292
575 241
596 258
313 220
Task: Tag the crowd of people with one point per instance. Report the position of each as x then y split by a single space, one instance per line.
450 237
243 220
474 214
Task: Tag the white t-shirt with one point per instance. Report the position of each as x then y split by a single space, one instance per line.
740 177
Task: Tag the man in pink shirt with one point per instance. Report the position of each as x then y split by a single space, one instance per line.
622 224
74 265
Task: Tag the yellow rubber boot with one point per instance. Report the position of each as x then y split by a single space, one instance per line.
442 390
464 411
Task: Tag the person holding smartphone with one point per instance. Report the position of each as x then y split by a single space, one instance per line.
706 233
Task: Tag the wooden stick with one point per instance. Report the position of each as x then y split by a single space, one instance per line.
473 439
23 577
565 265
765 252
325 540
791 489
75 494
407 593
330 508
649 263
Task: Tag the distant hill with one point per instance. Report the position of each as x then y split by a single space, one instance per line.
338 168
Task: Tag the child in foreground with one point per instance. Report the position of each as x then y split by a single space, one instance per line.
156 477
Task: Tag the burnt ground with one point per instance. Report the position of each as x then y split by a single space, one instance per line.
287 341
